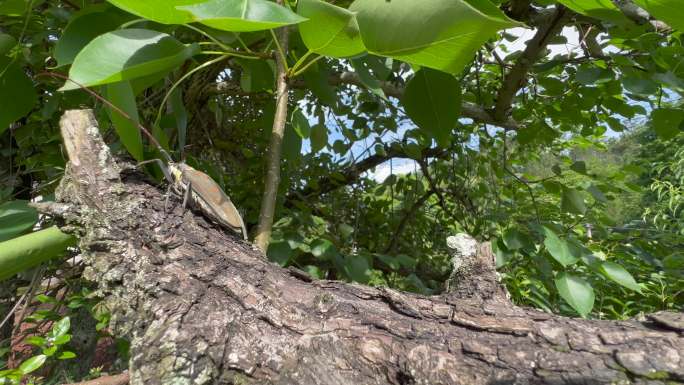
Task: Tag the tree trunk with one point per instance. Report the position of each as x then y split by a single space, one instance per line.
203 307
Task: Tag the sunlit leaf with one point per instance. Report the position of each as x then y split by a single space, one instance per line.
161 11
126 54
84 27
440 34
32 364
620 275
669 11
331 30
577 292
242 15
559 248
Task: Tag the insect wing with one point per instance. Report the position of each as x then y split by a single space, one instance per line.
214 197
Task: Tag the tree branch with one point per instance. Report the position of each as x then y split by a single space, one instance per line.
468 110
352 173
202 307
517 76
408 214
640 15
268 202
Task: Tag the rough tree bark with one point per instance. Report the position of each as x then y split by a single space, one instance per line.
202 307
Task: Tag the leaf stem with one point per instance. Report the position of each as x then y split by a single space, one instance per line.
306 67
281 52
132 22
301 61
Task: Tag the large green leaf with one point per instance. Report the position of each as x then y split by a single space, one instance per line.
161 11
17 94
32 364
669 11
433 101
83 28
7 42
599 9
16 217
440 34
330 30
126 54
620 275
121 95
301 124
666 122
577 292
572 201
560 249
29 250
319 137
242 15
256 75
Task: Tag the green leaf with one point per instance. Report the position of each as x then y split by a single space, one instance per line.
433 101
7 42
577 292
620 275
331 30
572 201
36 341
84 27
63 339
121 95
579 167
180 115
560 249
16 217
161 11
17 94
598 9
666 122
32 364
597 193
367 78
323 248
242 15
316 79
256 76
13 7
669 11
280 252
301 124
588 75
513 239
61 327
66 355
357 268
640 86
319 137
126 54
29 250
440 34
292 144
